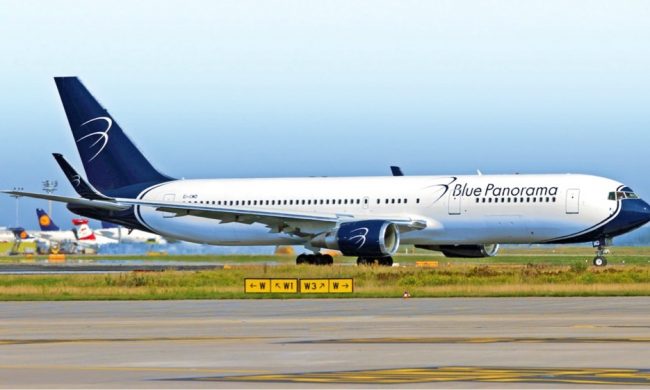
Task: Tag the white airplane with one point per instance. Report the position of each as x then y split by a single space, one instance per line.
365 217
120 234
6 235
87 236
51 231
82 236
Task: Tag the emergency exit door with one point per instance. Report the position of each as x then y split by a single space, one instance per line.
454 204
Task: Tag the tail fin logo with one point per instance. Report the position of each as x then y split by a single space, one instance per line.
101 136
44 220
76 180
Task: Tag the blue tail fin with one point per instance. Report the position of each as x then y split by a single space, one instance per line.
113 164
45 222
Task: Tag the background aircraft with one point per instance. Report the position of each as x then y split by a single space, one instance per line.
121 234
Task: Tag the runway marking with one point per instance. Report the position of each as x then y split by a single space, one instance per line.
125 368
586 376
123 340
476 340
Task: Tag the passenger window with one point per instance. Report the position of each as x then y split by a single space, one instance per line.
489 200
553 199
417 200
483 200
406 200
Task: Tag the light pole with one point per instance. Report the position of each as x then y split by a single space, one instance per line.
49 186
17 197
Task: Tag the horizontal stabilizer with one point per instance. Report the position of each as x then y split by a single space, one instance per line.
102 204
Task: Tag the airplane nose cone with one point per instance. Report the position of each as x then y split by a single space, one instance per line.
634 213
646 211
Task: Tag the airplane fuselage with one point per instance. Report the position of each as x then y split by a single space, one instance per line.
457 209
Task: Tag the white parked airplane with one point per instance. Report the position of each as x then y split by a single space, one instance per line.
81 238
366 217
132 236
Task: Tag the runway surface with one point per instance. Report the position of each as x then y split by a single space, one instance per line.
100 267
459 343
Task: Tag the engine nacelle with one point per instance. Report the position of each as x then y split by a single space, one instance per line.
361 238
467 251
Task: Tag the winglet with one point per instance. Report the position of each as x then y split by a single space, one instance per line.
83 188
396 171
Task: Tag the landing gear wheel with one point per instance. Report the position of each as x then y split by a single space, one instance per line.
315 259
386 261
601 250
365 261
327 259
600 261
301 259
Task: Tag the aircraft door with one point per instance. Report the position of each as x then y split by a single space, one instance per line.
573 201
454 204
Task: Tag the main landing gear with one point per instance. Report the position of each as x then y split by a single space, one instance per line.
385 261
315 259
600 260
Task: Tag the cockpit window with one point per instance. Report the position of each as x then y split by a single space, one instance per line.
622 195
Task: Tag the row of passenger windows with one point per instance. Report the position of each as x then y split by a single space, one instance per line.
527 199
291 202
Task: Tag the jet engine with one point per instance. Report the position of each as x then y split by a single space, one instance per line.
372 238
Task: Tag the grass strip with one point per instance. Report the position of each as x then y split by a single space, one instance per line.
459 280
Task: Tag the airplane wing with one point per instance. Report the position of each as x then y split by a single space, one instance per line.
307 223
281 220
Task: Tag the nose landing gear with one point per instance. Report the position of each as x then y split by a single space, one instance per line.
600 260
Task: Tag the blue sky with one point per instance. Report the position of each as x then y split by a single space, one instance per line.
296 88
